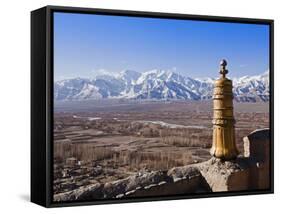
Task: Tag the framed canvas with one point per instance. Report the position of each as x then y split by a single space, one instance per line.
131 106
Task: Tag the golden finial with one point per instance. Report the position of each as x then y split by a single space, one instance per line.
223 70
224 145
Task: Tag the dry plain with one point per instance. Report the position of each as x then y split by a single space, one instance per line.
102 141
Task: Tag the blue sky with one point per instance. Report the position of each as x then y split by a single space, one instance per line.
85 45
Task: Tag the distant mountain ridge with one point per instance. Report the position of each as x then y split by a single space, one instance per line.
159 85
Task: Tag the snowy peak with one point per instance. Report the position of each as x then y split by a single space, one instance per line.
129 75
158 84
252 88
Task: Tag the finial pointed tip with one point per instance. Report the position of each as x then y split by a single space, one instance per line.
223 70
223 62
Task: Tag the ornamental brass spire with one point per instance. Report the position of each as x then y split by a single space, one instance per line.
223 120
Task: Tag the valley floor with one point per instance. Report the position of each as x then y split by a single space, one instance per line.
103 142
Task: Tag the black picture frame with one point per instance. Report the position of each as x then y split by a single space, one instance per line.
42 101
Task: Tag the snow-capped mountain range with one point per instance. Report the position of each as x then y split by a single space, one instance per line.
158 84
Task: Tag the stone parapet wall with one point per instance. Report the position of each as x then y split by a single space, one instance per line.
156 183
